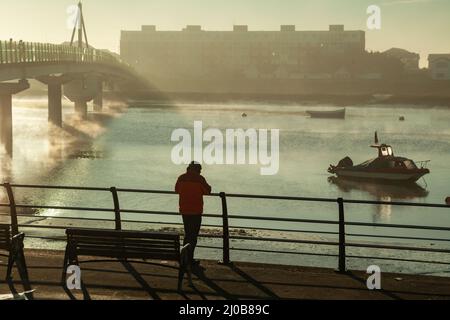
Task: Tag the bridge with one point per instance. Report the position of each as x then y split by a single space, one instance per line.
77 70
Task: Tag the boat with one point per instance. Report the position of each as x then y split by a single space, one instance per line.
333 114
385 168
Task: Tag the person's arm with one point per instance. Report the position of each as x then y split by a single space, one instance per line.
206 187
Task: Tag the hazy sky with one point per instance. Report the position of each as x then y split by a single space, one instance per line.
422 26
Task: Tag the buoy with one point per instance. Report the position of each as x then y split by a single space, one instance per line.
447 201
244 115
402 118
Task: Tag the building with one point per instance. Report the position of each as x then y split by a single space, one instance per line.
197 54
439 66
410 60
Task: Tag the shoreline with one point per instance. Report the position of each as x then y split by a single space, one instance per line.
366 99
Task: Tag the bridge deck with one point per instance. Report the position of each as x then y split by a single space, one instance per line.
243 281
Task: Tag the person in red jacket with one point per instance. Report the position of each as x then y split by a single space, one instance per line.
191 187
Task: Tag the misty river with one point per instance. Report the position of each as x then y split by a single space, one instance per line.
131 148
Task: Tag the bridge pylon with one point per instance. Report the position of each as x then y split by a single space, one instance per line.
81 90
98 100
7 90
55 84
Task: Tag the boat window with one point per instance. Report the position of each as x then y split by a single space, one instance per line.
400 164
410 164
391 164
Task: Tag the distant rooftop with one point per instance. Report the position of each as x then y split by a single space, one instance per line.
245 28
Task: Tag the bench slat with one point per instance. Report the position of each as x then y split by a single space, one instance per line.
125 234
111 240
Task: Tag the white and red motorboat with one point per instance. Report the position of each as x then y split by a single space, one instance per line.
386 167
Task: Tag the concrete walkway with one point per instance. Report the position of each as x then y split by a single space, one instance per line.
114 280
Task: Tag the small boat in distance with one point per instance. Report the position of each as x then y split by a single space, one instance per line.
333 114
386 167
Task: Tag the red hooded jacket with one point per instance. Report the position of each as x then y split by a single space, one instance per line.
191 187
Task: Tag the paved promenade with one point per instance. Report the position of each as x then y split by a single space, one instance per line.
113 280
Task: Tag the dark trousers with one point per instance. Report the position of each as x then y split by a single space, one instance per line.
192 226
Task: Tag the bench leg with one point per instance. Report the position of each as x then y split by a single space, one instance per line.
10 266
180 278
23 270
64 268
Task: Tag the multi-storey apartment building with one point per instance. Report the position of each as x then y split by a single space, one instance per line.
197 54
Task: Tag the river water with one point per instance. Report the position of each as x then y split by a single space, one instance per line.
131 148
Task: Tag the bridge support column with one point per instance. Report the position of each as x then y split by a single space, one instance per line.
98 100
6 92
81 90
54 84
81 108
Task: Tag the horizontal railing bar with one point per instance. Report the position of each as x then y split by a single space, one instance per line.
28 226
22 206
24 186
398 259
248 196
379 246
65 218
396 203
243 217
266 197
399 226
164 213
393 237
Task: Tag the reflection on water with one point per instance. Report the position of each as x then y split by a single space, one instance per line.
383 192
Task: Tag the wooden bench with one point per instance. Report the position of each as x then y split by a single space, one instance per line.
14 246
124 245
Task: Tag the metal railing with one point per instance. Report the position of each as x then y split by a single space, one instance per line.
12 52
341 222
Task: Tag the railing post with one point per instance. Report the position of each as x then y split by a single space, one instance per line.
118 219
226 230
342 255
12 208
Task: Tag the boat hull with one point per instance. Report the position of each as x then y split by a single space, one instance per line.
392 177
337 114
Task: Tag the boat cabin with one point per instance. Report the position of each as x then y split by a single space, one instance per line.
384 150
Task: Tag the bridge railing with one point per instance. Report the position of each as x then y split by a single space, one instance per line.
12 52
338 236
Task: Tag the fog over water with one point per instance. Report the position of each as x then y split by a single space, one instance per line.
131 148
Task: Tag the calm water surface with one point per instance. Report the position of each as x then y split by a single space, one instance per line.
132 149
